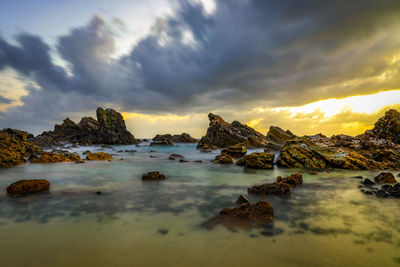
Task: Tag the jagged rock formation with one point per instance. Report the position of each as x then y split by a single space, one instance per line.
109 128
235 151
388 127
14 147
223 134
277 138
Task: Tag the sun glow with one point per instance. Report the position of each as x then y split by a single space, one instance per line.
361 104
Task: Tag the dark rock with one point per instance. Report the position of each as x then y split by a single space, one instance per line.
152 156
277 188
153 176
224 159
294 179
368 181
163 231
245 216
183 160
99 156
165 142
257 160
176 156
235 151
86 152
357 177
223 134
98 193
387 188
382 194
395 192
385 178
28 186
243 199
198 161
388 127
109 128
183 138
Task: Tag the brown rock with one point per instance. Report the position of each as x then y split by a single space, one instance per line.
293 179
385 178
243 199
277 138
99 156
388 127
224 159
257 160
235 151
50 157
23 187
153 176
277 188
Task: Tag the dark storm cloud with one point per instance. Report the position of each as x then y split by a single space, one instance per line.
246 53
4 100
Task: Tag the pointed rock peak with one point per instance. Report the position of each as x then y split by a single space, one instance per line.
68 121
388 127
216 118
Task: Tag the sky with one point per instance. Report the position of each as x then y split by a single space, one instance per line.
304 65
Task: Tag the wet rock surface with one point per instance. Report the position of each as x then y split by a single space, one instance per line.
153 176
257 160
99 156
277 188
224 159
109 128
51 157
385 178
24 187
235 151
14 147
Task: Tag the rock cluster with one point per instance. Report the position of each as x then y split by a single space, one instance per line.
383 186
23 187
282 186
109 128
99 156
14 147
168 139
223 134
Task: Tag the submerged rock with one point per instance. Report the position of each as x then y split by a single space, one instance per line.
153 176
385 178
277 188
99 156
223 134
23 187
235 151
257 160
245 216
109 128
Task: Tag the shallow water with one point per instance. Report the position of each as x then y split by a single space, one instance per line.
325 222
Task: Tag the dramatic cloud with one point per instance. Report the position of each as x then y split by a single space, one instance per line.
4 100
243 54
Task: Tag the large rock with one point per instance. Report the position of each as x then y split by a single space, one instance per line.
257 160
50 157
304 153
23 187
388 127
277 138
385 178
235 151
245 216
162 140
14 147
224 159
223 134
109 128
183 138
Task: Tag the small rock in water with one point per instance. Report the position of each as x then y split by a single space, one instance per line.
183 160
387 187
243 199
176 156
385 178
357 177
152 156
153 176
198 161
24 187
313 172
162 231
79 161
368 181
98 193
382 194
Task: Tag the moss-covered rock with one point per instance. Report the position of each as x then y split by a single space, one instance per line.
51 157
99 156
23 187
257 160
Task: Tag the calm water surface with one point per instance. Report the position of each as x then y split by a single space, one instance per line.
325 222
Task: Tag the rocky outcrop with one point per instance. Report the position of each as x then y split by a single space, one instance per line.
235 151
183 138
153 176
388 127
109 128
50 157
385 178
304 153
245 216
223 134
168 139
162 140
257 160
99 156
277 188
24 187
277 138
294 179
14 147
